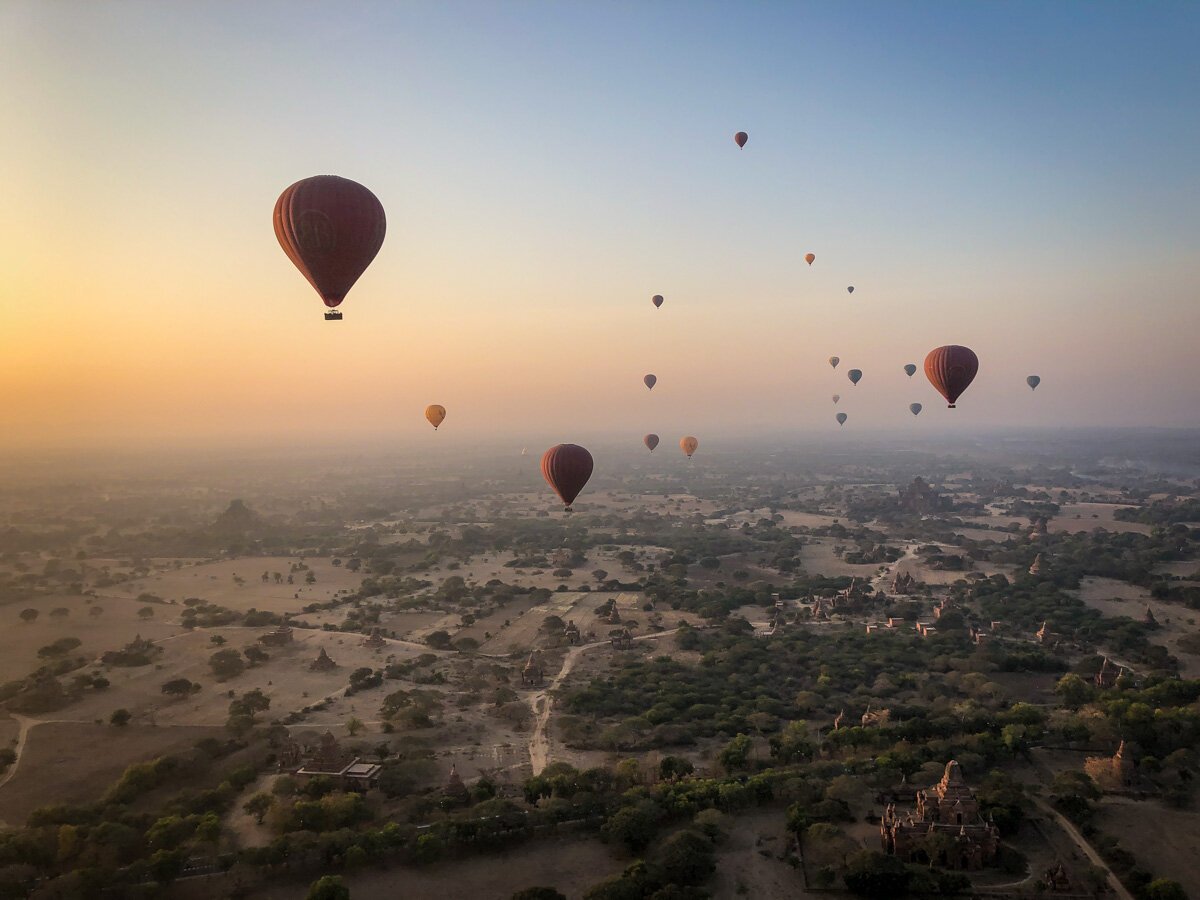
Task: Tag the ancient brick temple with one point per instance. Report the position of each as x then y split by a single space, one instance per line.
947 826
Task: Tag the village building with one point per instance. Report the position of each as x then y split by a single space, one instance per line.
323 663
328 759
532 674
946 606
1113 773
926 629
1048 638
280 637
951 810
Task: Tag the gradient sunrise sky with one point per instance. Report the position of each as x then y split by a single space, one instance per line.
1019 177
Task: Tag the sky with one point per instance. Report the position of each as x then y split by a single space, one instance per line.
1017 177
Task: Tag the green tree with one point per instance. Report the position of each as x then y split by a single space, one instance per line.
736 753
328 887
1164 889
354 725
120 717
28 615
227 663
259 805
876 875
686 857
634 826
1074 691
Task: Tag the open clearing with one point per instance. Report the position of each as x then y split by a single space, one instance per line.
1090 516
1118 598
1165 840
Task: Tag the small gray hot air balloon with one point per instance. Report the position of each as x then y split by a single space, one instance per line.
1033 381
915 408
910 370
850 290
837 397
841 418
834 360
651 381
855 375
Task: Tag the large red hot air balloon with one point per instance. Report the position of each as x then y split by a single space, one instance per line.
567 468
330 228
951 369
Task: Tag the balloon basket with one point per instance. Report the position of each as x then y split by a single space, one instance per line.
333 316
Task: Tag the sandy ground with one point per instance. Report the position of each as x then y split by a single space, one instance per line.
71 762
572 864
1090 516
749 864
1165 840
1118 598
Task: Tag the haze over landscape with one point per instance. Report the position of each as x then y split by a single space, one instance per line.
613 539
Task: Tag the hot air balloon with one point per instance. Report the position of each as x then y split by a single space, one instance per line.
834 360
436 414
740 138
657 300
910 369
688 445
836 398
330 228
850 290
567 468
841 418
915 408
810 258
1033 381
651 381
951 369
651 441
524 451
855 376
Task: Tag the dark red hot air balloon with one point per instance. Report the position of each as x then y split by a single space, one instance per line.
567 468
657 300
651 441
330 228
951 369
740 138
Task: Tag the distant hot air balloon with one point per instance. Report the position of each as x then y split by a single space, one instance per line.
651 441
657 300
651 381
688 445
834 360
1033 381
841 418
836 398
330 228
810 258
915 408
855 376
740 138
436 414
951 369
567 468
909 369
850 290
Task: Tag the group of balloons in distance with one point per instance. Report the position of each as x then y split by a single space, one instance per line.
331 228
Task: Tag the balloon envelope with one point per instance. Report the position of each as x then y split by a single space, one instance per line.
834 360
915 408
688 445
810 258
567 468
850 290
651 381
657 300
740 138
841 418
855 376
436 414
951 369
651 441
910 369
1033 381
330 228
837 397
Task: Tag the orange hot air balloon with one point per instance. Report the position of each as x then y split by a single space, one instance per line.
688 445
740 138
651 441
810 258
657 300
651 381
951 369
436 414
567 468
330 228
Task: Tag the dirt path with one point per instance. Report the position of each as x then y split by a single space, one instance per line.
879 581
24 724
1113 882
542 702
